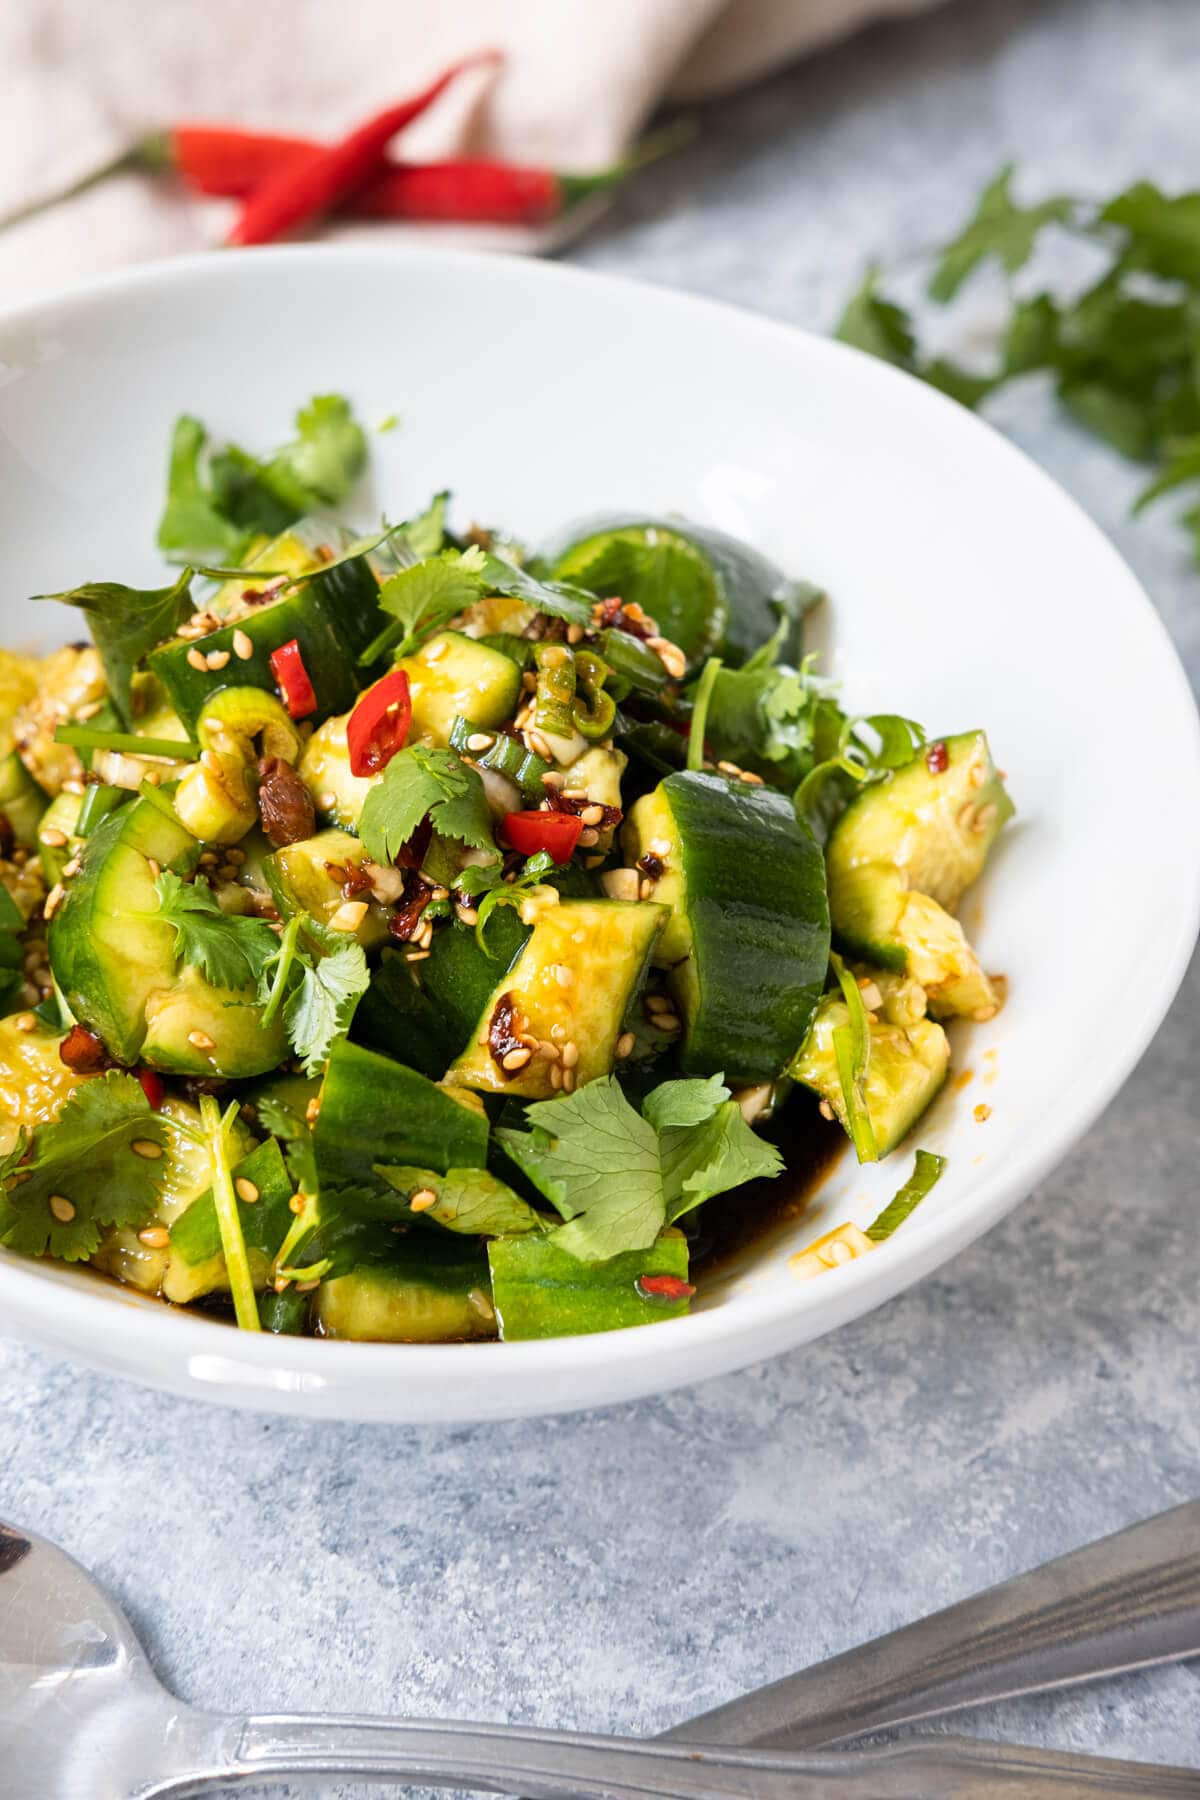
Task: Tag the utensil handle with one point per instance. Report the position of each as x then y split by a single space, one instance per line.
561 1765
1125 1602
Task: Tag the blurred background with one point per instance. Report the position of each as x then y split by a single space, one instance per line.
845 1488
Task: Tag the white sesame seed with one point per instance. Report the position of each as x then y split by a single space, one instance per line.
296 1203
569 1079
547 1050
592 815
539 745
417 956
657 1003
153 776
826 1111
481 1304
588 838
422 1200
620 884
660 847
467 915
72 786
625 1044
750 778
312 1109
326 802
217 659
54 899
53 838
26 1022
667 1021
645 888
729 768
198 660
155 1237
200 1040
556 1076
242 646
62 1208
574 634
246 1189
84 713
516 1059
570 1055
480 740
154 866
563 975
147 1148
72 868
966 817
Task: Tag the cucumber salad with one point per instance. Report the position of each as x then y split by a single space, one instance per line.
410 937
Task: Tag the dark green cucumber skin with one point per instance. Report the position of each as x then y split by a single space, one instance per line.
332 617
539 1291
374 1110
751 587
426 1022
432 1267
80 962
285 1315
759 913
196 1233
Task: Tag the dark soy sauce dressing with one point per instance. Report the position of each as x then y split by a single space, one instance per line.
747 1218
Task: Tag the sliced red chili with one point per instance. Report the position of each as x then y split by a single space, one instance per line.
153 1088
555 832
378 726
937 758
287 666
665 1287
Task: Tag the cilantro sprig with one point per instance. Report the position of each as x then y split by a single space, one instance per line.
1121 354
218 501
618 1176
126 623
79 1173
318 982
229 949
469 1201
492 887
422 783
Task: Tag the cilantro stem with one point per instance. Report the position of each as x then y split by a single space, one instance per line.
283 969
381 642
700 703
89 737
313 1272
304 1222
237 1262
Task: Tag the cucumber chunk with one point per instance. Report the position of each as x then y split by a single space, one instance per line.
905 1070
303 877
878 919
324 768
747 946
540 1291
22 801
428 1292
373 1110
935 820
453 674
571 985
114 959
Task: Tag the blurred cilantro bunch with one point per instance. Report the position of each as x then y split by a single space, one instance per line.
1123 354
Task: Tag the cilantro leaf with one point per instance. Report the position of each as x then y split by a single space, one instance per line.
126 623
775 720
682 1103
618 1176
421 783
295 1134
219 501
878 326
719 1153
229 949
424 596
466 1200
998 228
561 599
83 1158
1163 231
320 1009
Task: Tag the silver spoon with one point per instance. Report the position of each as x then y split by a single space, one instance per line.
83 1717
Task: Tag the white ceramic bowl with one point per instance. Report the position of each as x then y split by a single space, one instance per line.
967 589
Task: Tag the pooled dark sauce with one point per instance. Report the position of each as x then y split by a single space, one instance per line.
748 1219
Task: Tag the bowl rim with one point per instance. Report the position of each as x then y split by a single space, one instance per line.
746 1327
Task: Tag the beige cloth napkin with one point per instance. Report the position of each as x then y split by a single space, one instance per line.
82 79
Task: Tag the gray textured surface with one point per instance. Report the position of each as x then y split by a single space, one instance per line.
625 1568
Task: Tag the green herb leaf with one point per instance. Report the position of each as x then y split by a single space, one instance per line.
1163 231
466 1200
998 228
423 597
927 1171
701 701
617 1176
878 326
126 624
684 1103
561 599
229 949
84 1158
323 460
720 1153
295 1134
320 1009
421 783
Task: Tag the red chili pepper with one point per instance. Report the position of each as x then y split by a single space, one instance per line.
153 1088
287 666
221 159
378 726
306 189
478 191
556 832
665 1287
